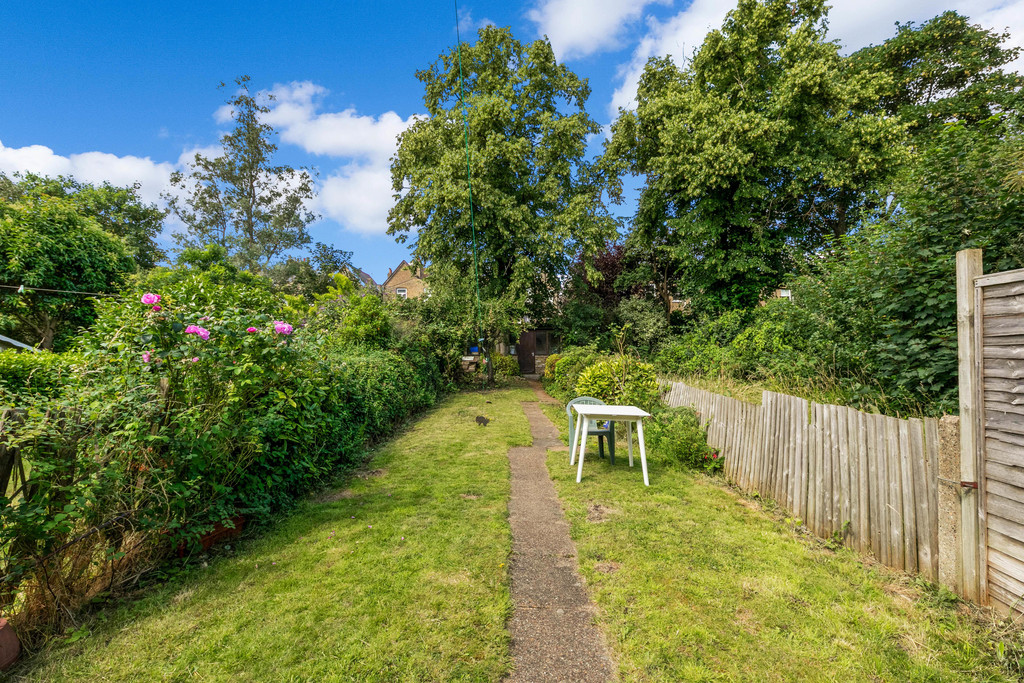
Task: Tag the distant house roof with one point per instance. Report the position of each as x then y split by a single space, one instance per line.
17 344
417 272
364 277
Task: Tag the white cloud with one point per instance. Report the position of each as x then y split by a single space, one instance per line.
294 112
357 194
677 36
91 167
578 28
854 23
468 25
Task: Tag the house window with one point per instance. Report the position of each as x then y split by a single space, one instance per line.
402 293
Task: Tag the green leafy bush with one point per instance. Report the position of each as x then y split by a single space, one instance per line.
25 374
645 323
677 436
505 366
189 412
567 370
621 380
549 366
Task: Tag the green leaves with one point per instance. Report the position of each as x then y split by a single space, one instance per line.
756 152
47 242
239 200
536 201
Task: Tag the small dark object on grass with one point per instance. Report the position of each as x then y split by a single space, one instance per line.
481 420
486 401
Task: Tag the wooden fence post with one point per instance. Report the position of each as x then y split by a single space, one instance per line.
968 267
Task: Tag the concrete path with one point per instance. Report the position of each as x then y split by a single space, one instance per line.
553 635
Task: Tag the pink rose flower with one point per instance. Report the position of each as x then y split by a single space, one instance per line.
202 332
145 357
282 327
157 308
195 359
250 330
150 298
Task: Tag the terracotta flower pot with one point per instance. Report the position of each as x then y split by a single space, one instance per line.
10 646
220 533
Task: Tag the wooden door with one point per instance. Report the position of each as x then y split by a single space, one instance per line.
527 351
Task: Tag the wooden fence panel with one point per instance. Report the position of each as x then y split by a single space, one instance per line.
869 478
998 407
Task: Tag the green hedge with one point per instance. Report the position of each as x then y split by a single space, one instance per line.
620 381
191 412
26 375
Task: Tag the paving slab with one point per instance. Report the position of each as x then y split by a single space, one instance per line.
554 637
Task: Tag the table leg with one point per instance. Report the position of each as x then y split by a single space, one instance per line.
629 440
643 451
575 440
583 449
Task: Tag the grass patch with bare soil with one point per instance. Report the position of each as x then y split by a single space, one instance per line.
695 583
399 575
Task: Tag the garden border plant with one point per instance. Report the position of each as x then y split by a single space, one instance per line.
190 406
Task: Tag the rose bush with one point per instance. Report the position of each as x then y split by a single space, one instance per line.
187 412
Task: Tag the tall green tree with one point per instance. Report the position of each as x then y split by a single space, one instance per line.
943 70
46 242
240 200
760 149
536 200
118 210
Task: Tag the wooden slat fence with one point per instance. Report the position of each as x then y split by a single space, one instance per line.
999 393
870 479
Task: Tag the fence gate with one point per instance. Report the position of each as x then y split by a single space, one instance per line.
998 391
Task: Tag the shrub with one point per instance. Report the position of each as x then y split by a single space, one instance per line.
693 354
677 435
621 380
569 367
43 374
505 366
549 366
646 326
190 413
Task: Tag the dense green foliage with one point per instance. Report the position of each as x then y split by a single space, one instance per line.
677 436
24 375
620 381
46 242
239 200
505 366
191 408
536 202
561 380
118 210
942 70
758 150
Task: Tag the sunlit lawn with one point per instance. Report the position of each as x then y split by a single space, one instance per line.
399 576
695 583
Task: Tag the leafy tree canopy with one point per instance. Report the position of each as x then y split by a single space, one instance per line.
944 69
308 277
762 146
239 200
536 201
118 210
46 242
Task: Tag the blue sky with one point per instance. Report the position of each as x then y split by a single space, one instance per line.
127 91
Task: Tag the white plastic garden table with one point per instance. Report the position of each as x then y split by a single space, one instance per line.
628 414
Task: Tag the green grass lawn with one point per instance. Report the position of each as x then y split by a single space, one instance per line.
696 583
399 576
